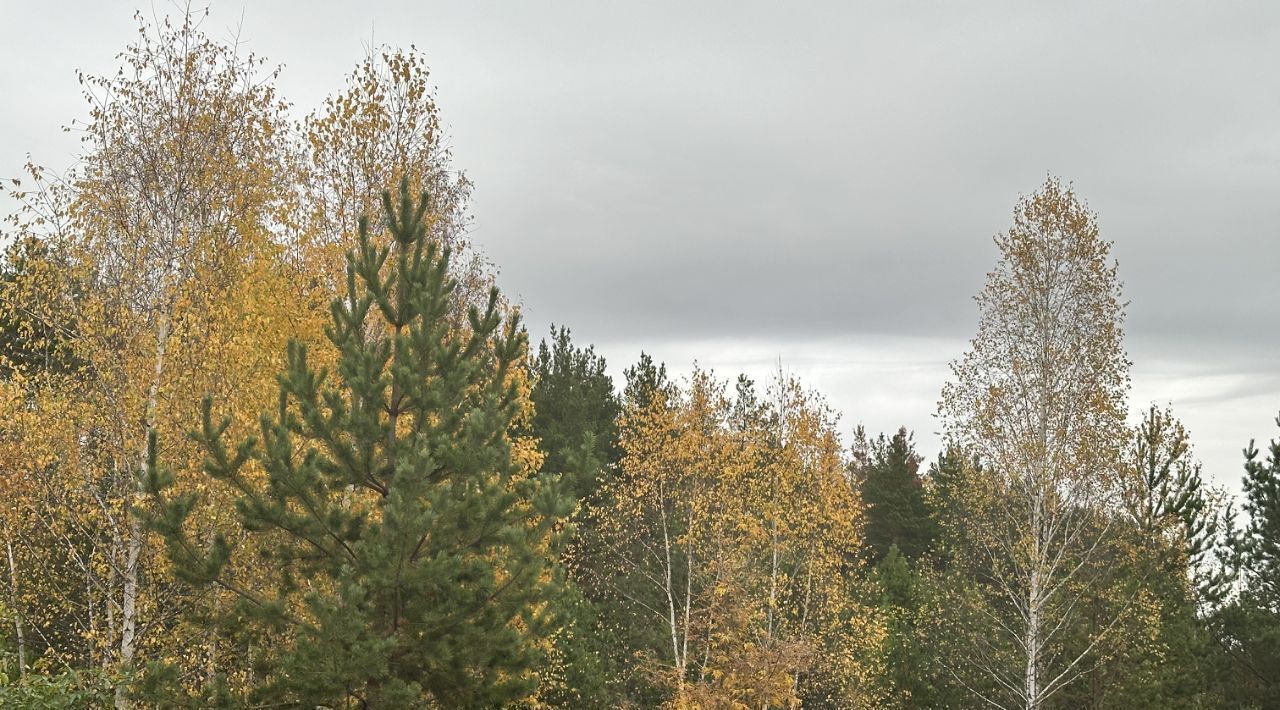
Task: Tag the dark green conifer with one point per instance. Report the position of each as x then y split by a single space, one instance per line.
1260 546
894 493
1249 626
415 564
575 412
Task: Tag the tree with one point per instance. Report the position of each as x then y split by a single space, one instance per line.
1040 399
908 674
802 523
733 531
1260 545
1170 527
385 126
901 531
955 643
36 336
663 520
164 244
575 422
575 412
952 476
36 348
1167 501
1248 627
893 492
415 560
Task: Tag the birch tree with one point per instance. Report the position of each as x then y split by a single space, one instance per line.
734 530
169 230
1040 398
803 526
664 523
384 125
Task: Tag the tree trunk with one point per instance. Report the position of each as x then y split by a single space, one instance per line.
676 657
93 619
1032 679
113 577
17 615
129 604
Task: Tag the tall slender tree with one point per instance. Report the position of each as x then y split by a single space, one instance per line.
383 126
1248 626
1040 397
1167 500
1261 542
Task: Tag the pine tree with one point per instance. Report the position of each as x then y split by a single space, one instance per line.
893 491
1249 627
646 382
415 563
1170 524
1261 544
1167 500
575 422
575 412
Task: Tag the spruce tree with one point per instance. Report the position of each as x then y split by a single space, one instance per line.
415 562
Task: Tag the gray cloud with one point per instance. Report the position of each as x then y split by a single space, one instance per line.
808 175
673 173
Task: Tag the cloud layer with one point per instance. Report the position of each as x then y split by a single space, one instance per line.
765 180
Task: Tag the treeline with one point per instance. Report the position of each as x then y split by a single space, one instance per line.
271 437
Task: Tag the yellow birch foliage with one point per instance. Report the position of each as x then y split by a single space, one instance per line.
170 236
387 121
1040 399
201 232
736 529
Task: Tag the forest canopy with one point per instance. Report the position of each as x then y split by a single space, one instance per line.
271 435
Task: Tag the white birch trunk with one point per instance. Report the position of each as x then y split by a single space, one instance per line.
17 614
135 542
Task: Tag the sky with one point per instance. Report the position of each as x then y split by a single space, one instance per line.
813 184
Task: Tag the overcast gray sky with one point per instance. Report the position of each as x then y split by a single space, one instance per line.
820 182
